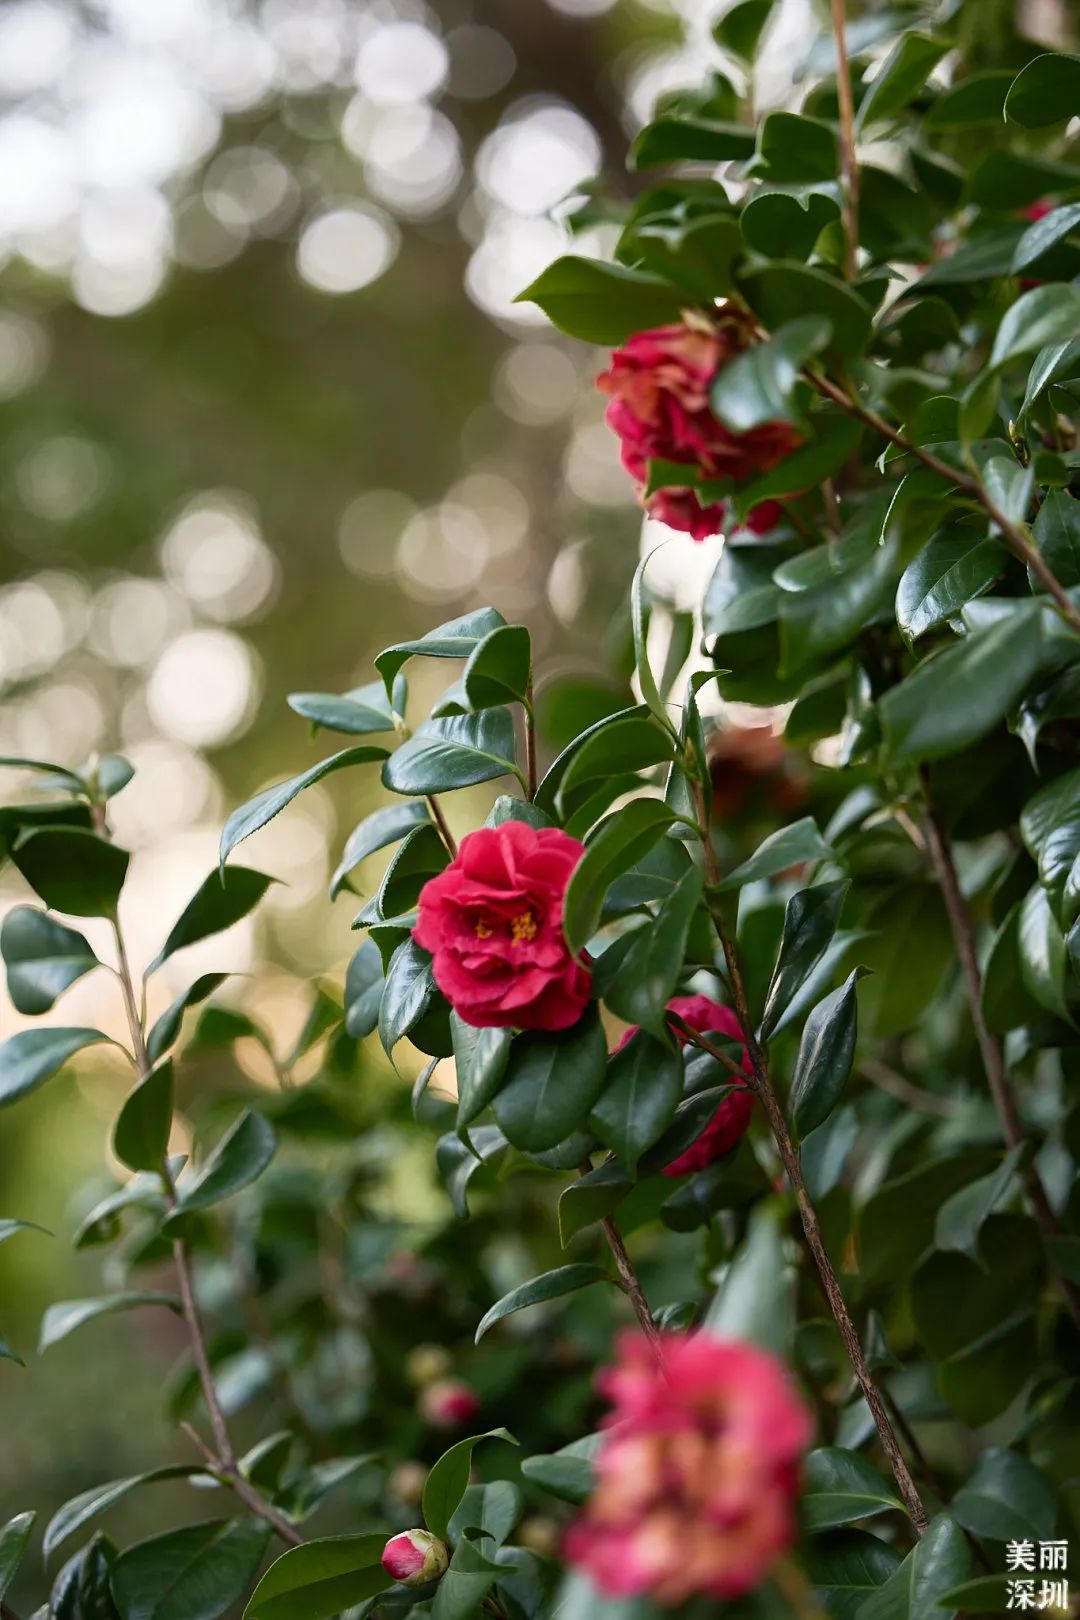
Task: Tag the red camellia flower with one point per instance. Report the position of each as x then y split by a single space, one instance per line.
449 1403
493 922
658 385
697 1473
729 1124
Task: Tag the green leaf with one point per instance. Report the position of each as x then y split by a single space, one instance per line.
89 1504
407 994
789 846
568 1473
551 1285
958 695
985 1594
647 680
167 1027
13 1540
458 1161
757 386
240 1157
589 1199
42 958
697 254
421 856
783 226
961 1218
363 990
755 1299
646 977
1053 361
845 1566
1043 234
552 781
9 1228
449 1478
896 1225
620 745
615 845
795 150
375 832
973 103
641 1093
834 442
267 804
221 899
480 1059
1043 964
72 870
191 1574
669 139
358 713
604 303
467 1581
499 668
141 1135
487 1512
34 1055
900 78
455 751
1006 1499
551 1083
62 1319
982 257
1056 532
957 565
826 1051
740 29
937 1562
1044 315
810 921
82 1590
1046 91
840 1487
321 1578
786 290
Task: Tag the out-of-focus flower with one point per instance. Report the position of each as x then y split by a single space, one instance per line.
751 769
493 923
449 1403
731 1120
658 385
407 1482
415 1557
698 1471
427 1362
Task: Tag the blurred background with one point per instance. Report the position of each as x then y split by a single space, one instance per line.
267 404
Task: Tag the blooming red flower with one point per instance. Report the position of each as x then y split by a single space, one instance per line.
449 1403
658 384
415 1557
493 922
697 1472
732 1119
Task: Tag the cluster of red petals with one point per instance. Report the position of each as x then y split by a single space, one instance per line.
493 923
698 1471
658 385
729 1124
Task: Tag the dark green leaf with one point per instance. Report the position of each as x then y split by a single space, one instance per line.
13 1539
645 978
614 846
900 77
267 804
82 1590
551 1285
840 1486
238 1159
670 140
973 102
641 1093
1057 534
591 1198
62 1319
1046 91
957 565
408 992
961 1218
221 899
81 1509
42 958
896 1226
551 1083
191 1574
1043 964
783 226
1006 1499
358 713
810 921
826 1051
1053 361
789 846
622 744
468 1580
755 1299
795 150
480 1059
73 870
568 1473
421 856
320 1579
458 1161
604 303
167 1027
937 1562
1044 315
141 1135
382 827
845 1566
447 1482
1043 234
34 1055
363 990
757 386
834 441
740 29
786 290
499 668
455 751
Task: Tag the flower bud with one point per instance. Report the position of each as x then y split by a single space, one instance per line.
407 1482
415 1557
425 1363
449 1403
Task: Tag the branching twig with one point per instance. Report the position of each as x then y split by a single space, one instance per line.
849 163
530 742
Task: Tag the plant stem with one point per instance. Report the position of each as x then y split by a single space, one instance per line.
530 742
879 1074
632 1283
849 162
990 1048
436 811
762 1086
1012 535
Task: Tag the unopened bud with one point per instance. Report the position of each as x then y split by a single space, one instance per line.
449 1403
407 1482
415 1557
426 1363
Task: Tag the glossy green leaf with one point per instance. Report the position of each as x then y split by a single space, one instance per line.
646 977
480 1059
73 870
83 1588
1049 314
499 668
896 1225
642 1090
42 958
221 899
667 140
840 1487
13 1541
240 1157
589 1199
34 1055
1043 963
321 1579
454 639
487 1513
810 921
1052 361
449 1478
901 76
457 1161
462 1589
618 843
1006 1498
826 1053
552 780
363 990
1046 91
783 226
789 846
551 1285
375 832
632 743
421 856
786 291
603 303
739 30
795 150
1045 233
569 1473
845 1566
755 1299
407 994
971 103
166 1028
455 751
551 1083
757 386
358 713
646 678
99 1499
191 1574
834 442
937 1562
961 1218
271 801
67 1315
957 565
141 1133
1056 532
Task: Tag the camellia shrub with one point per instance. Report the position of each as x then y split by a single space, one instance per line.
773 1028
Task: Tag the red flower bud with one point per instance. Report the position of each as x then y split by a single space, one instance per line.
449 1403
415 1557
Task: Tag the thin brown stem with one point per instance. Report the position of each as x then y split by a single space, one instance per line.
631 1282
990 1048
849 162
243 1488
435 810
1012 535
530 743
912 1096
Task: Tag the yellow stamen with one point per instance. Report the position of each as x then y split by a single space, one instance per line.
482 930
523 927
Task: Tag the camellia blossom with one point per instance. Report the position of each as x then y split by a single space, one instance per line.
493 923
658 385
449 1403
415 1557
729 1124
697 1473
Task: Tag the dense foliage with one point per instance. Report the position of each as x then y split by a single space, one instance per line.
797 1024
